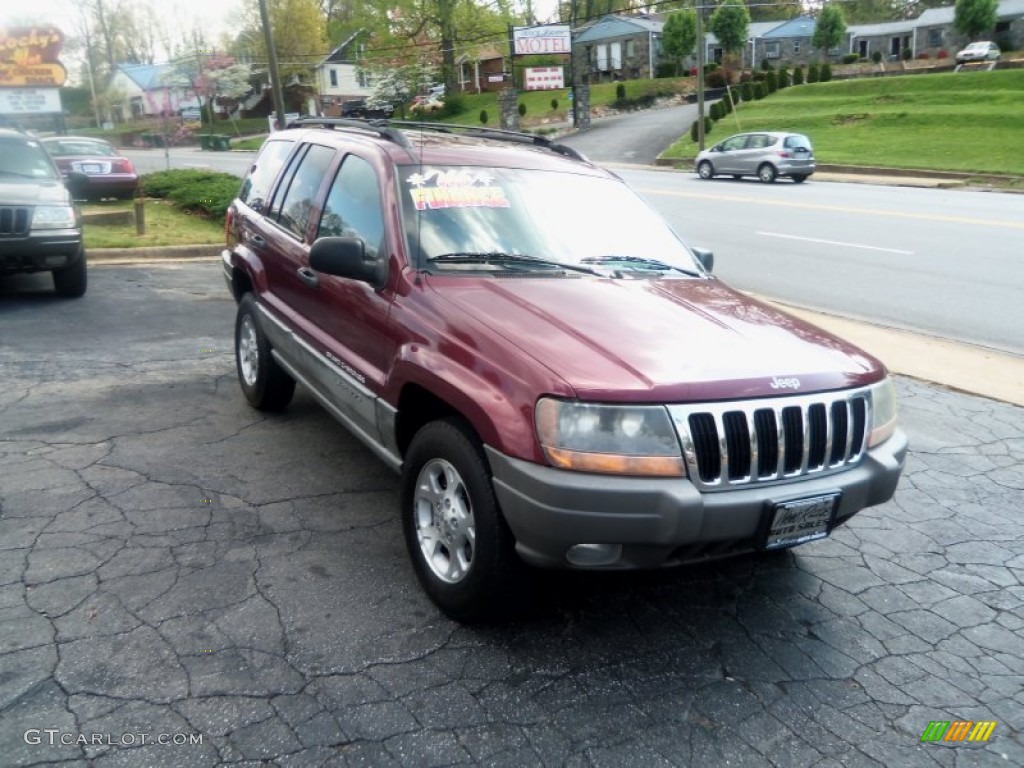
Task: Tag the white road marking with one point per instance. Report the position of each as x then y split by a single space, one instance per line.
836 242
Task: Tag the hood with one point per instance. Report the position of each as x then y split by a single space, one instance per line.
665 340
17 191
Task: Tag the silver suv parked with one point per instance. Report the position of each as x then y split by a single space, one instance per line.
765 154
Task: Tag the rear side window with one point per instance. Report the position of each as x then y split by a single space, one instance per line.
760 141
797 142
353 207
268 164
300 198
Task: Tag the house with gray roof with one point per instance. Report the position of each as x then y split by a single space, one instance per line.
890 39
148 90
617 48
934 30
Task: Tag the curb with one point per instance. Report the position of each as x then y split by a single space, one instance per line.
157 252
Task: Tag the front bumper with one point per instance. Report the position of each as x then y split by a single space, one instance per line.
56 249
665 521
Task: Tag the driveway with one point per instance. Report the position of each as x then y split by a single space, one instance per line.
187 582
633 137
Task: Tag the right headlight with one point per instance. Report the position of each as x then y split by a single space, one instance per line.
53 217
883 413
611 439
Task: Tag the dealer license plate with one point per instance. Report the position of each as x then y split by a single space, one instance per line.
801 520
92 168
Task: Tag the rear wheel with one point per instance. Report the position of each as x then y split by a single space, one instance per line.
264 383
460 545
71 282
705 170
799 178
767 173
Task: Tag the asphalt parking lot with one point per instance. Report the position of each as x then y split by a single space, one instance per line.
187 582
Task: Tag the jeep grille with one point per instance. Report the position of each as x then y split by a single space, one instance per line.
14 222
726 445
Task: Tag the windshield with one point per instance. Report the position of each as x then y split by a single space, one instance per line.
554 218
25 158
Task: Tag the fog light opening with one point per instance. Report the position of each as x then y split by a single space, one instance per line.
593 555
57 260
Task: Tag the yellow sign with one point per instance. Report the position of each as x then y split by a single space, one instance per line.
28 57
34 76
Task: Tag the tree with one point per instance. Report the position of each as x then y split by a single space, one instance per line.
730 22
972 17
211 76
830 29
679 36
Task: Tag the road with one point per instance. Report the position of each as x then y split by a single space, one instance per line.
175 563
945 262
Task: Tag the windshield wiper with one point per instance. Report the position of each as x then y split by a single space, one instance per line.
498 258
638 264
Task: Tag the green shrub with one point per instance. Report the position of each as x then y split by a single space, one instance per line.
727 105
826 73
748 91
760 91
522 109
483 116
715 112
812 73
455 104
620 91
208 193
707 128
850 58
907 54
782 78
554 104
710 66
798 76
766 65
771 82
876 56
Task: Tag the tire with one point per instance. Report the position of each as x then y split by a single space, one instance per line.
737 176
705 170
767 173
799 178
264 383
466 563
72 281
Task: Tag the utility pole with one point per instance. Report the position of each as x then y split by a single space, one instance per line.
700 77
275 77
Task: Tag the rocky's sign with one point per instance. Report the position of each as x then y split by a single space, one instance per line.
29 57
551 38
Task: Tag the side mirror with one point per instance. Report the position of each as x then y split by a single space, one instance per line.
705 257
76 183
345 257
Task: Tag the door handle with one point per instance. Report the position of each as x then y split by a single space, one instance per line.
309 277
258 241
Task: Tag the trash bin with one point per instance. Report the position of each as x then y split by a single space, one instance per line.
220 142
205 141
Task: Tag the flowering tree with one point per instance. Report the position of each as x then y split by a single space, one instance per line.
212 76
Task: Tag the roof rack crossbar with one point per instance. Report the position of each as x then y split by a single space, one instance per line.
380 127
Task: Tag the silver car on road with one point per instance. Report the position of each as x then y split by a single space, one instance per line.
765 154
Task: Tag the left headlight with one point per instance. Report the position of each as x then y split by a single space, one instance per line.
53 217
611 439
883 413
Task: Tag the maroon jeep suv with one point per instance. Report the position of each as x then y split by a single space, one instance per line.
558 378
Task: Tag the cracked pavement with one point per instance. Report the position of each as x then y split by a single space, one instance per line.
175 563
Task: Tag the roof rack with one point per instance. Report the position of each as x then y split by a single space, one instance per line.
392 130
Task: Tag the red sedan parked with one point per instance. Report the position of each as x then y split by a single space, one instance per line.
109 174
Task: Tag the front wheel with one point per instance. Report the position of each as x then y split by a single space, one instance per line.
705 170
264 383
460 545
71 282
767 173
799 178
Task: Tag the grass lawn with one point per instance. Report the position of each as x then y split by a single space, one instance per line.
165 225
971 121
